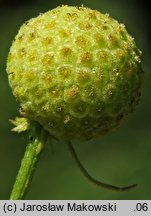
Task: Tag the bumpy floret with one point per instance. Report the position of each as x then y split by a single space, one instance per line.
75 71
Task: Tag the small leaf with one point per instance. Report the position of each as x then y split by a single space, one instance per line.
21 124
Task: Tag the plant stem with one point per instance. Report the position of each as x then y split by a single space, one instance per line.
93 180
28 163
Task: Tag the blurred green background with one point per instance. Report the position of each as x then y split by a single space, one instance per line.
122 157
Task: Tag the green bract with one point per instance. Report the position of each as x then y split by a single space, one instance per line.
75 71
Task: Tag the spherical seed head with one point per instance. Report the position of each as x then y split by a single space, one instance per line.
75 71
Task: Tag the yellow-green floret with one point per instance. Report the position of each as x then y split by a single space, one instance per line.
75 71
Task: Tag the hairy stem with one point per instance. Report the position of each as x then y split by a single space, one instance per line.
28 163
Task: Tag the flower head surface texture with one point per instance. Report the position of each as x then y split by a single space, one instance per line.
75 71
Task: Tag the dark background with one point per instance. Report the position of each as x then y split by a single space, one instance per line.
122 157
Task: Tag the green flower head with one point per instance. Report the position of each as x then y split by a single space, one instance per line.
75 71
